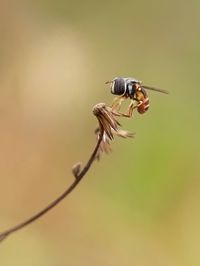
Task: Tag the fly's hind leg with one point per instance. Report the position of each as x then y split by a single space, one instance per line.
131 107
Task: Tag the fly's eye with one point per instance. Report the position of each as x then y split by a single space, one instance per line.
118 86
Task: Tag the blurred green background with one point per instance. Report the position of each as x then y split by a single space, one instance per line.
137 206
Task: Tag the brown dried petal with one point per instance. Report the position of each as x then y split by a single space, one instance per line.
104 145
123 133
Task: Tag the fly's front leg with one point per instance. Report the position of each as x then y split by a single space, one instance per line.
117 104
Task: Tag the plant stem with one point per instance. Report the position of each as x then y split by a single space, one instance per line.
50 206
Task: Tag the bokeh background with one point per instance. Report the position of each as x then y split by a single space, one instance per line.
141 204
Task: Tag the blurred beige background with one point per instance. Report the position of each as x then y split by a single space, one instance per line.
137 206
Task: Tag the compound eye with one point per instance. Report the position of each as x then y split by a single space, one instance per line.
119 87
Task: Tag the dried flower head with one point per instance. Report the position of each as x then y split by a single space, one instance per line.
107 121
108 126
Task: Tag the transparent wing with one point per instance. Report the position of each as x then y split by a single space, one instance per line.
155 89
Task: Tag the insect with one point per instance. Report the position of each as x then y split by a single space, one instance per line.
130 88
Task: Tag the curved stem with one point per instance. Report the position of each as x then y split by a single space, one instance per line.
50 206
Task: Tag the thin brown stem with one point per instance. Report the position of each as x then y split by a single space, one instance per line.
50 206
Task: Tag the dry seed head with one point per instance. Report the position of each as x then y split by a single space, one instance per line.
107 121
108 126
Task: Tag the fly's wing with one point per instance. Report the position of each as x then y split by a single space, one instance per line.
155 89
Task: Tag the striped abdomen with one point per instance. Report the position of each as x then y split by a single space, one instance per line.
144 106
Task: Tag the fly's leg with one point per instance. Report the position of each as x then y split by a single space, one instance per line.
131 107
117 104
